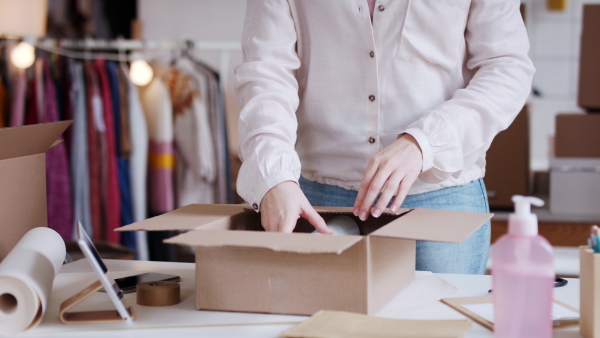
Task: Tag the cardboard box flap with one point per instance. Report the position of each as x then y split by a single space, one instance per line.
276 241
189 217
434 225
31 139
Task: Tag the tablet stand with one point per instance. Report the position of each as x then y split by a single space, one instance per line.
106 316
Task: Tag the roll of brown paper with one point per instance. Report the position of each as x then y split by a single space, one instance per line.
159 293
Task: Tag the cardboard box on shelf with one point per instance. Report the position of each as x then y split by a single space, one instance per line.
575 186
23 179
589 67
241 268
577 135
507 163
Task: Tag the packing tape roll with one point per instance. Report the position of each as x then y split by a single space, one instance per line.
26 277
159 293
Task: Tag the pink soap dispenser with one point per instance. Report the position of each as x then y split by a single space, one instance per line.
523 276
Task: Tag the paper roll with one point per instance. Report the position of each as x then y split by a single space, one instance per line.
26 277
159 293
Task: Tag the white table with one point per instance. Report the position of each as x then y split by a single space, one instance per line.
468 285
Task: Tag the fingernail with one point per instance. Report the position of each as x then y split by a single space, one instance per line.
376 213
363 216
393 208
355 211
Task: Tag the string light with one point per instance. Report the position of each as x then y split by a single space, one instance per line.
140 72
23 55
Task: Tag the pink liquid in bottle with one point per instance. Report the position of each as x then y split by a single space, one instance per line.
523 278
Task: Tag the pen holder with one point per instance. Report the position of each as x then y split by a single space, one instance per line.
589 294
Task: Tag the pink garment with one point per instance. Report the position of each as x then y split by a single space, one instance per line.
112 202
371 7
95 148
58 180
161 163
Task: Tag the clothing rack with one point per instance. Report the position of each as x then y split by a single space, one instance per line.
122 50
150 49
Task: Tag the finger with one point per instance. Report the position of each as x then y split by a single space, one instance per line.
374 190
265 221
403 189
288 224
388 192
313 217
364 187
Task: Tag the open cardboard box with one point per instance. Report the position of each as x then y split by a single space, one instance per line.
23 179
239 267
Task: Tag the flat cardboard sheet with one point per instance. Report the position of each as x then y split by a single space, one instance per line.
472 307
334 324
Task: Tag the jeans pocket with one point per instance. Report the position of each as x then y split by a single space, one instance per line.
433 33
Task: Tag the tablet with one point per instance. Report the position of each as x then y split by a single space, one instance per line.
92 256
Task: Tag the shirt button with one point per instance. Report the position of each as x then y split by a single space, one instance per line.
372 54
371 140
381 8
371 98
255 206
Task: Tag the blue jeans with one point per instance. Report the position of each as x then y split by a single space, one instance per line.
467 257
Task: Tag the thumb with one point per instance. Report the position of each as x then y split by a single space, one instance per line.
313 217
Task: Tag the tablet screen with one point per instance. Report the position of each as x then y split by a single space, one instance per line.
101 271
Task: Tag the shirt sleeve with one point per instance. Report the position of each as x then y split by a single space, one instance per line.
267 90
456 134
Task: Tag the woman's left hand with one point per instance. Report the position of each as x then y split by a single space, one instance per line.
391 172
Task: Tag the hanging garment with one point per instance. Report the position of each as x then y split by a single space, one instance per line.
216 111
31 111
112 202
138 159
17 116
38 67
196 168
96 149
60 215
3 105
156 103
61 76
80 172
127 238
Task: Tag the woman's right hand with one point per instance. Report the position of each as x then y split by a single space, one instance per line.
284 204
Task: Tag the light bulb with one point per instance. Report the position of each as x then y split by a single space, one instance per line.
22 55
140 73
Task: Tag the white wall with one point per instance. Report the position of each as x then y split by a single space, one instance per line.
200 20
554 49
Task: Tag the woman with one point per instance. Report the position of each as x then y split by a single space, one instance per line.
387 103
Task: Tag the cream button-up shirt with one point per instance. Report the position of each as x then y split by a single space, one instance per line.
324 87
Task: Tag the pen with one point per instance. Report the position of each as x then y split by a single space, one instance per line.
558 282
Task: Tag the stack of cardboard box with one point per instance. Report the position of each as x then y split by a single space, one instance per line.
575 169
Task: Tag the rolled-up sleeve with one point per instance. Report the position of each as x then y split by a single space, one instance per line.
456 133
267 90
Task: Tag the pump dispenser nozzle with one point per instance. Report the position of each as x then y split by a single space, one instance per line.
522 222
